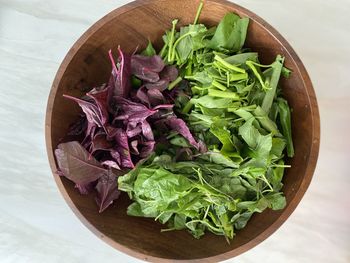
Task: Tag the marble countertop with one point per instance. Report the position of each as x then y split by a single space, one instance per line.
36 224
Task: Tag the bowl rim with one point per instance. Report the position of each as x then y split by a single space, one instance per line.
312 160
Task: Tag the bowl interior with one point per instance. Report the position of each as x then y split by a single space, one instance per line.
87 65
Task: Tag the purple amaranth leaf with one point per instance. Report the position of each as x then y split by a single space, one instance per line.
169 73
133 147
155 97
164 111
160 85
164 106
147 149
142 96
107 190
89 135
85 189
76 163
111 164
100 142
111 131
147 68
180 126
121 140
119 83
132 111
116 156
91 111
202 147
133 129
147 131
100 97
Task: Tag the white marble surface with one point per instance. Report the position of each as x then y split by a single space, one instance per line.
36 225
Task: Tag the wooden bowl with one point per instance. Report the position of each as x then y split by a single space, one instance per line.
87 65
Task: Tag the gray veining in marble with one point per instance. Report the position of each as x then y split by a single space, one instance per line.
36 225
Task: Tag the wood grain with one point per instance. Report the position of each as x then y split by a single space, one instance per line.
87 65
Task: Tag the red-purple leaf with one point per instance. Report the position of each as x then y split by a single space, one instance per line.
133 147
147 149
147 131
111 164
133 129
100 96
107 190
141 94
110 131
132 111
169 73
121 140
91 111
180 126
159 85
100 142
85 189
116 156
89 134
164 106
77 164
147 68
119 83
155 97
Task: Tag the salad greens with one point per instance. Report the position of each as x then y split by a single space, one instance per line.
196 136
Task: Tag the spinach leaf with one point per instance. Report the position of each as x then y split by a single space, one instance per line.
285 120
149 51
230 33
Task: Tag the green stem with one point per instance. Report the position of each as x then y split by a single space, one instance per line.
176 43
174 83
223 94
228 65
162 52
281 165
250 64
199 11
235 77
206 212
227 79
171 41
218 85
266 182
187 107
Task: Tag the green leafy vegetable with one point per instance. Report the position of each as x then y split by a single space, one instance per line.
285 120
233 106
149 51
230 33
